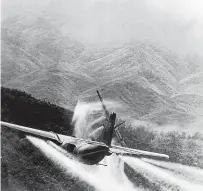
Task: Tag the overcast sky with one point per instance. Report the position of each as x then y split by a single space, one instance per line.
176 24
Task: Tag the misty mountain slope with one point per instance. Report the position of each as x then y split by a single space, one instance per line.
16 62
94 53
183 65
38 37
192 84
190 94
193 64
142 76
33 44
131 61
139 103
193 103
54 85
142 86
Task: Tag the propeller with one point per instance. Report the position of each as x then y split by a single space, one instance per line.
104 107
119 137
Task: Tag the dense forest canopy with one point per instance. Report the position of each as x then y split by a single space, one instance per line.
21 108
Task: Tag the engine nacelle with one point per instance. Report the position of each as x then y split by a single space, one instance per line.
69 147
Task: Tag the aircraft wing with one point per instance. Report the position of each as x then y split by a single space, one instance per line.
59 138
137 153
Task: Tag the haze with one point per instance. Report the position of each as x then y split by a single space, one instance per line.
177 25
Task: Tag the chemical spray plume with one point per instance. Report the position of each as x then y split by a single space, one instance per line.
102 178
193 174
163 178
83 118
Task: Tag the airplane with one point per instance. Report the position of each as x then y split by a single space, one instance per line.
92 150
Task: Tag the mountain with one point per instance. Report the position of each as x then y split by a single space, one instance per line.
145 79
151 82
192 84
54 85
30 43
19 63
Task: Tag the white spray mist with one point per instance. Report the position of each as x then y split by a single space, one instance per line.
84 119
102 178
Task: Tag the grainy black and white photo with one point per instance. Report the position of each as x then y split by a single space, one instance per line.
101 95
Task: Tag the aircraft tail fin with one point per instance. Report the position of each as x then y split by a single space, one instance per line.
109 124
110 127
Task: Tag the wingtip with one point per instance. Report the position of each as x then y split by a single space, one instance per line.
165 157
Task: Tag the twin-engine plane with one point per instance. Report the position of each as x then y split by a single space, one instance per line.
92 150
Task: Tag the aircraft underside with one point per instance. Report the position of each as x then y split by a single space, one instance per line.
92 159
88 154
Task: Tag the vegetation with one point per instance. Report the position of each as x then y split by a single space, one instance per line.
21 108
181 147
24 167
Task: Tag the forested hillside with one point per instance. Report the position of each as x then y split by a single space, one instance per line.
24 167
21 108
182 147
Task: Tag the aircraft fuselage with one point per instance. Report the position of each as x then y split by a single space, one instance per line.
91 154
87 153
